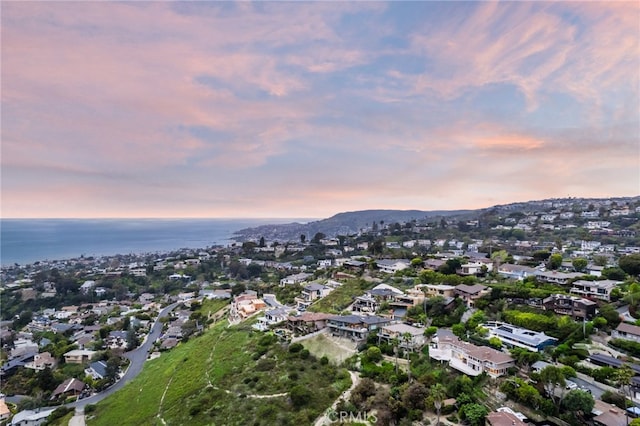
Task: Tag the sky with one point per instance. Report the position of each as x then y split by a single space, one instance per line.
308 109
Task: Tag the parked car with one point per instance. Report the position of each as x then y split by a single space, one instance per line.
571 385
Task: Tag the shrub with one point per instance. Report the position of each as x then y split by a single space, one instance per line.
295 348
300 396
265 364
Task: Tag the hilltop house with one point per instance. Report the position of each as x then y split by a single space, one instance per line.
42 361
97 370
518 272
598 289
355 327
576 307
468 358
627 332
308 322
78 356
294 279
409 337
70 387
391 266
310 293
510 335
470 293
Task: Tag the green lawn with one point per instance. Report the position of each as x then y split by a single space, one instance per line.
342 296
228 376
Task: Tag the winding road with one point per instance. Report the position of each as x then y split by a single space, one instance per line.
136 358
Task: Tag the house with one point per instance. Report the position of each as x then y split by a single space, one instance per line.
538 366
31 417
518 272
5 413
598 289
391 266
511 335
294 279
78 356
70 387
86 287
97 370
354 265
434 290
311 293
471 293
308 322
609 415
556 277
365 304
627 332
271 317
23 347
503 418
245 305
355 327
116 339
409 337
468 358
476 267
576 307
433 264
42 361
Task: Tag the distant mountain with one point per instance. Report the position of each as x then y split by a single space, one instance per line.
346 223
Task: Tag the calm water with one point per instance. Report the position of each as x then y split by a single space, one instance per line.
25 241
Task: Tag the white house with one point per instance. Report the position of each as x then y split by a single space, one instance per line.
391 266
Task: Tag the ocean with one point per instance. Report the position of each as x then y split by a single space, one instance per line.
26 241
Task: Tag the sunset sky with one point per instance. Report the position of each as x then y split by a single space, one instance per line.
307 109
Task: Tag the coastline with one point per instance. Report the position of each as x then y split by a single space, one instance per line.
27 241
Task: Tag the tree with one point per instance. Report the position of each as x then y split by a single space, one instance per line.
623 378
579 264
395 342
303 238
376 247
630 264
555 261
374 354
407 338
300 395
261 243
438 394
474 413
614 273
579 403
316 238
552 379
458 330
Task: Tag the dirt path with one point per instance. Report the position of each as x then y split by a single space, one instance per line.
325 418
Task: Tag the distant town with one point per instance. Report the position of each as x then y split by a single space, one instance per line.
520 314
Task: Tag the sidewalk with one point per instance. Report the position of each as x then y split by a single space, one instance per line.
78 418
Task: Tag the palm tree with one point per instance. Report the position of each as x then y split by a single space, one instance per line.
395 343
438 394
623 378
407 338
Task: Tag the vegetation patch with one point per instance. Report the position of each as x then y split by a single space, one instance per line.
214 379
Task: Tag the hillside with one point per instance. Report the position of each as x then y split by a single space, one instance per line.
349 223
346 223
227 376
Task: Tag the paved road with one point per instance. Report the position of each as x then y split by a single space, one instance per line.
137 357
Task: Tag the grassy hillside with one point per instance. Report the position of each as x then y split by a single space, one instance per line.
228 376
342 296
